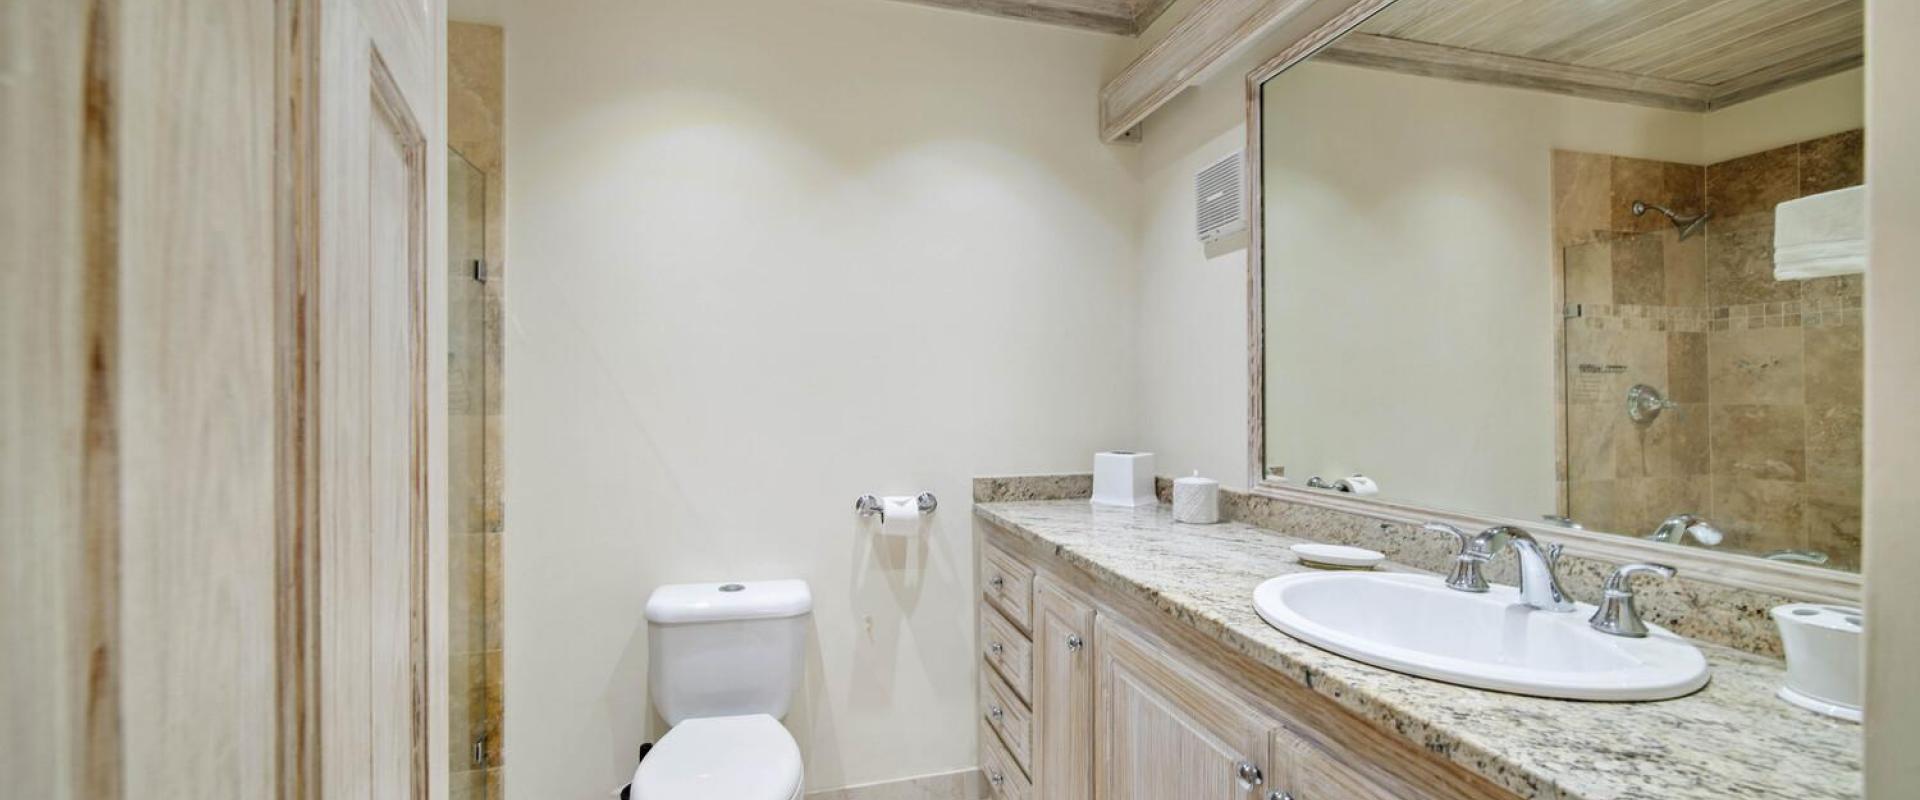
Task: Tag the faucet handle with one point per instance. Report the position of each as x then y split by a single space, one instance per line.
1617 614
1466 575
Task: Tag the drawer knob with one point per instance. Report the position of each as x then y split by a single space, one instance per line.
997 582
1278 795
995 713
1250 774
1074 642
996 648
996 778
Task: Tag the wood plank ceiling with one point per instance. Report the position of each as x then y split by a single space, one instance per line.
1686 54
1124 17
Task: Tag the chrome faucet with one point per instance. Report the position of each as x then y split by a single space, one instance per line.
1616 614
1678 527
1539 587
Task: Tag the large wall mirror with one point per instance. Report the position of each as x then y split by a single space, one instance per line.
1597 267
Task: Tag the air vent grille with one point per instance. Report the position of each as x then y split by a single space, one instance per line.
1220 199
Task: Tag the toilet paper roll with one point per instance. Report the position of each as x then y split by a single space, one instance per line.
1358 484
899 515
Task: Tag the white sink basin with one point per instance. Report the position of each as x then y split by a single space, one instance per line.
1416 625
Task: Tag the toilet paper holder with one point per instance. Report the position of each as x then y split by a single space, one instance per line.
869 505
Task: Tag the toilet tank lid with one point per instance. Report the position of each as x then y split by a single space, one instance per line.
682 603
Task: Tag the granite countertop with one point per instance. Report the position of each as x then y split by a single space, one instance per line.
1731 739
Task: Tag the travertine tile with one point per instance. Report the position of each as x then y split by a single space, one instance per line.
1686 268
1835 363
963 784
1582 190
1765 365
1677 444
1765 442
1760 516
1753 183
1639 270
1676 186
1589 272
1834 445
1686 367
1833 162
1833 523
1740 263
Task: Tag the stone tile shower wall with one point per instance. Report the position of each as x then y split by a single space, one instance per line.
1765 439
475 126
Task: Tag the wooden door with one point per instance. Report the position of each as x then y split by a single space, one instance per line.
1166 731
376 100
1063 697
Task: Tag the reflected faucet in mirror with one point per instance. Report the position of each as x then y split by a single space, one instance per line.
1678 527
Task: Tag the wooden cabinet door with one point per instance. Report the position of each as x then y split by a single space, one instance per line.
1168 732
1062 693
378 99
1303 771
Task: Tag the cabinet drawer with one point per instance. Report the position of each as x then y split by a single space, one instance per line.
1008 584
1008 650
1007 716
1004 780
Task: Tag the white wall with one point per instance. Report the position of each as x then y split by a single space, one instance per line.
1893 379
768 256
1410 311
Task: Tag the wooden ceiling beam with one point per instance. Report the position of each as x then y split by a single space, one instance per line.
1456 63
1210 35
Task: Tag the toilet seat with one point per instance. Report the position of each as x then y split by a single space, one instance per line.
721 758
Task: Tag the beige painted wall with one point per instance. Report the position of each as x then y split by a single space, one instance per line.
1893 380
768 256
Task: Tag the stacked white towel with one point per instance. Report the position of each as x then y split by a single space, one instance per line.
1820 235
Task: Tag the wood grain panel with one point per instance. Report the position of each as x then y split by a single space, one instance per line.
1105 16
1063 696
1004 780
1008 584
1204 39
1302 769
1166 731
1687 54
195 147
59 736
1008 716
1007 649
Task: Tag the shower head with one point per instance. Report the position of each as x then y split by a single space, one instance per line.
1688 224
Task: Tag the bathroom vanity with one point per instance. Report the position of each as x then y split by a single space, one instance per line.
1123 658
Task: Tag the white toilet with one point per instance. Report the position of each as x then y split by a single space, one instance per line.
723 663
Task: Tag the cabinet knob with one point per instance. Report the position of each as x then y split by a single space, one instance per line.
995 648
1074 642
1250 774
1278 795
995 713
997 582
996 778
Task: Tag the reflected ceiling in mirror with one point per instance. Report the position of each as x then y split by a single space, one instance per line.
1582 265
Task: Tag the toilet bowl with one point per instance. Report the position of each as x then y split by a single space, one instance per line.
724 661
748 757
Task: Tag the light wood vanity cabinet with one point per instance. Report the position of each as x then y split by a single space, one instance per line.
1088 695
1063 696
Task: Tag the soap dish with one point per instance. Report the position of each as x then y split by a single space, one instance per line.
1333 556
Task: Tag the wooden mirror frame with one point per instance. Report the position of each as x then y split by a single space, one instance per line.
1738 570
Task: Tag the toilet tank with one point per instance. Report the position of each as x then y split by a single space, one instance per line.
726 649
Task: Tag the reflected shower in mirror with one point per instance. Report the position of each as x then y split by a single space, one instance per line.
1586 267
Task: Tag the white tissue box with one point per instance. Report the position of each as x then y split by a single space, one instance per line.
1122 478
